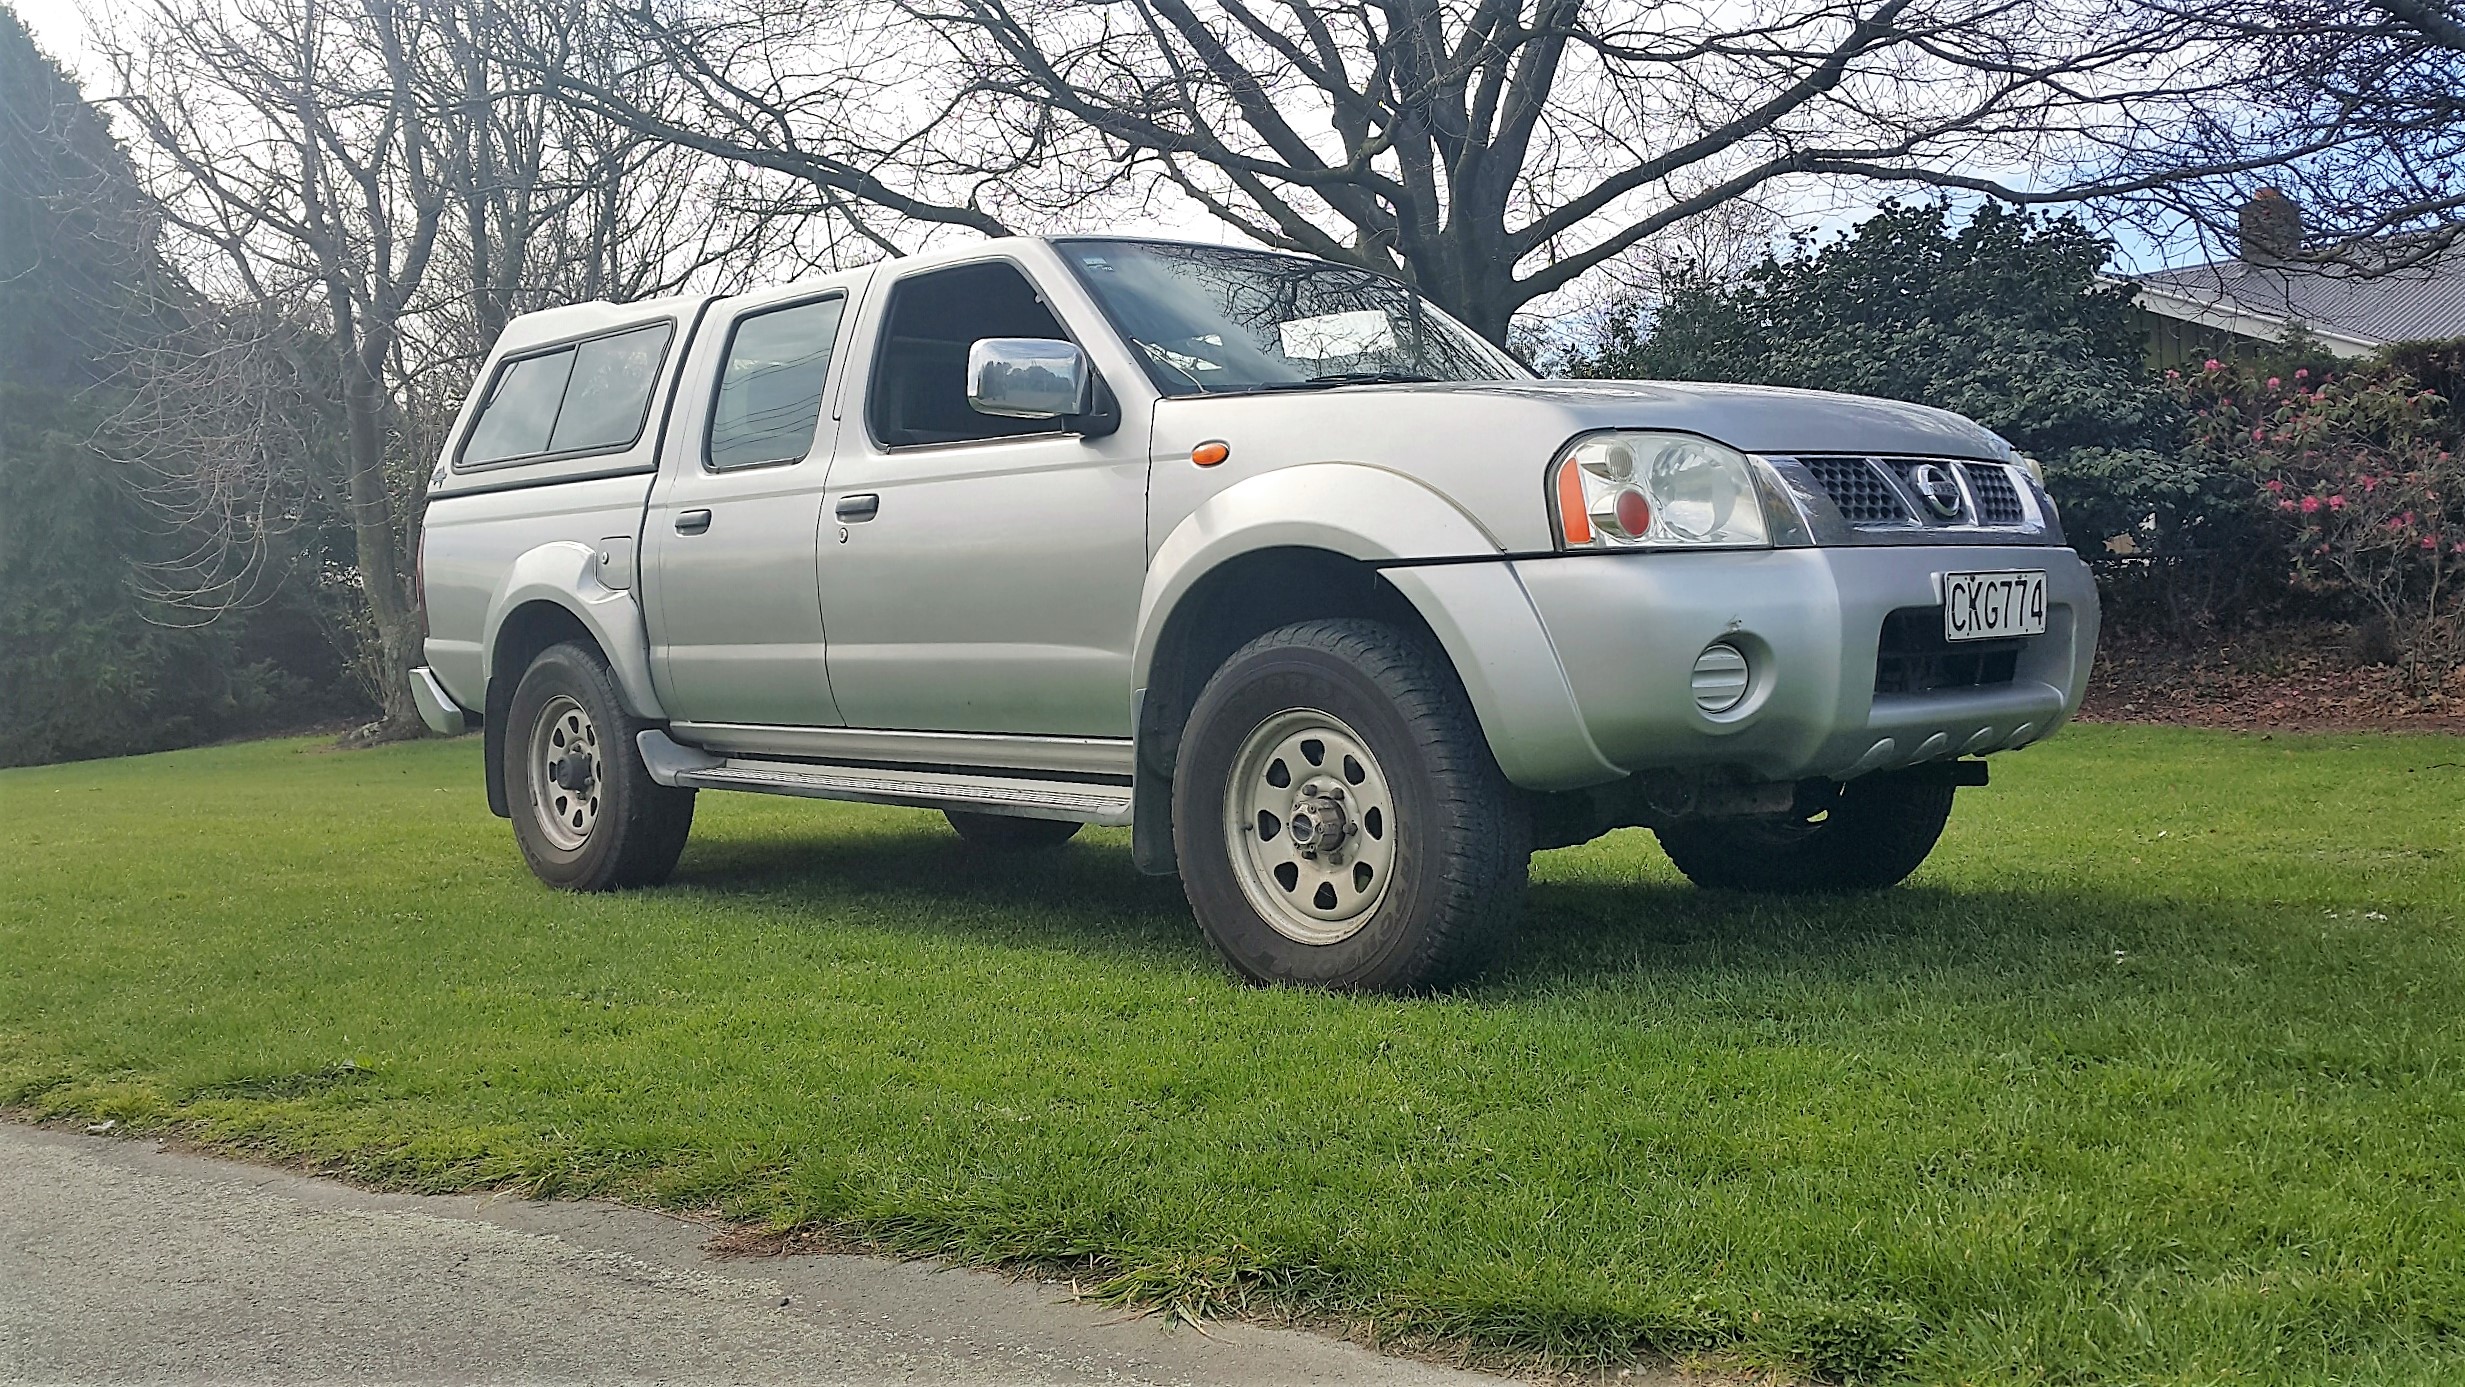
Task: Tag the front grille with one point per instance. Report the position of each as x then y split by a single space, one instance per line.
1879 491
1860 492
1913 657
1998 501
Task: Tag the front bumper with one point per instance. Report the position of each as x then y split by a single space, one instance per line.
1626 629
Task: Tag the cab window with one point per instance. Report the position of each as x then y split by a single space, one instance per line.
919 391
770 386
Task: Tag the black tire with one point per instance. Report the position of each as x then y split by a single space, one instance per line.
1455 867
1862 836
635 827
1009 833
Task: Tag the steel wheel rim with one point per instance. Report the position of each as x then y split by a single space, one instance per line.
1314 853
566 773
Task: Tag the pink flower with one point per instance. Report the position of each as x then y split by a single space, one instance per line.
2173 375
2213 364
2303 374
2310 504
2274 383
2285 505
2370 483
2429 543
2273 487
2337 502
2406 520
2259 435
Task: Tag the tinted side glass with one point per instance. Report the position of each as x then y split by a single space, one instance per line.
609 394
920 384
770 388
521 411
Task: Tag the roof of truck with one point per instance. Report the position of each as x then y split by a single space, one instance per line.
596 315
582 319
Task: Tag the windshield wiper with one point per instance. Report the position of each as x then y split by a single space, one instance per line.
1339 378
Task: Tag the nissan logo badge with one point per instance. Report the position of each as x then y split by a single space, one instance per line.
1934 485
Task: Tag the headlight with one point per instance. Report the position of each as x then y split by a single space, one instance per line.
2030 465
1657 491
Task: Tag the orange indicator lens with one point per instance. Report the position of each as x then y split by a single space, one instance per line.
1574 518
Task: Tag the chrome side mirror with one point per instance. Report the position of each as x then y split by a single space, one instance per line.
1028 378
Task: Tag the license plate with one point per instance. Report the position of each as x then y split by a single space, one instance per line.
1991 606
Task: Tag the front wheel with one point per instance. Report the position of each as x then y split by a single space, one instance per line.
1862 836
1339 818
586 812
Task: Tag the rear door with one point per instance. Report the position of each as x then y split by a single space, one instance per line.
734 607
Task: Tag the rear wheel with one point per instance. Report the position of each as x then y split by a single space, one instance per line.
1862 836
1006 833
586 812
1339 819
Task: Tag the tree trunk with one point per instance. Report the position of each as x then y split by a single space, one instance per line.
376 549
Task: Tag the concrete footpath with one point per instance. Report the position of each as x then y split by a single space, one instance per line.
120 1262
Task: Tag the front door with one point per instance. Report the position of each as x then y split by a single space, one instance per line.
733 603
979 574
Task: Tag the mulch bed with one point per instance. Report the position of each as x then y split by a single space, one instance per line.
2300 683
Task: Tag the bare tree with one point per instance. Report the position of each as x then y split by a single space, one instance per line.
556 203
2355 109
365 198
1492 151
854 105
292 144
2367 100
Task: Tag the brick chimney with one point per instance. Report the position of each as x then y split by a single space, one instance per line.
2271 226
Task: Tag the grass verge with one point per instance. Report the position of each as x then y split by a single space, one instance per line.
2150 1076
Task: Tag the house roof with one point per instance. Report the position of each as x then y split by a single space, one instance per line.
2349 312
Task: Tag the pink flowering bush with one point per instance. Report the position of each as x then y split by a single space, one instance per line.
2358 471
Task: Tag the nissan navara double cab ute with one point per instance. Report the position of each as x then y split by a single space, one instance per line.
1333 604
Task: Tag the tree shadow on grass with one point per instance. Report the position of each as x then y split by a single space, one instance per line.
1084 895
1577 935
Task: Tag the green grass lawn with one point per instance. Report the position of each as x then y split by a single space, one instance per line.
2153 1074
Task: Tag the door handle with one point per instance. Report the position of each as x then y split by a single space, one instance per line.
692 522
862 506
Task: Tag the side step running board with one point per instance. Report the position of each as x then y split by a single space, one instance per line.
1077 801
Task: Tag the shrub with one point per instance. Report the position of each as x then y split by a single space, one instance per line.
2357 475
2003 319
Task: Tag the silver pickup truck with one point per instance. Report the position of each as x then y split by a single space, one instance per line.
1339 609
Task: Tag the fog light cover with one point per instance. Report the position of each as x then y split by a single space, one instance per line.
1721 677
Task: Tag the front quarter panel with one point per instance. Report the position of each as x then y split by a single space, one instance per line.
1478 610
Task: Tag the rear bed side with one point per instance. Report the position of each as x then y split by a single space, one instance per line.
535 510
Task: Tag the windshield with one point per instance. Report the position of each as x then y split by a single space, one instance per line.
1213 320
